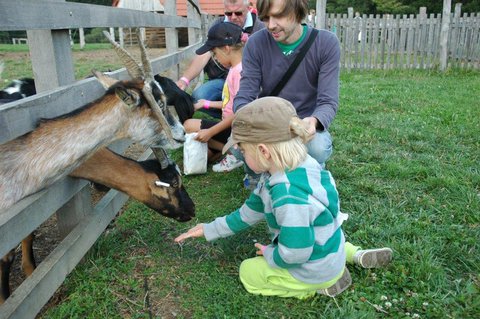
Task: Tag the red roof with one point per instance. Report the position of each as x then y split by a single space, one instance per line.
214 7
208 6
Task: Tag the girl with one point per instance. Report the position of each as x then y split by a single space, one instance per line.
299 201
225 43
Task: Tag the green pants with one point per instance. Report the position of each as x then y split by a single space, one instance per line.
259 278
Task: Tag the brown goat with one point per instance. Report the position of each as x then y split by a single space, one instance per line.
136 179
130 109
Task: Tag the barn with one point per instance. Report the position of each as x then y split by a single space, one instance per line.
155 37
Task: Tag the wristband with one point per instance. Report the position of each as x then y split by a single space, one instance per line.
206 104
184 79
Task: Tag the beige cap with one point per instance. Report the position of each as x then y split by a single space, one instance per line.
265 120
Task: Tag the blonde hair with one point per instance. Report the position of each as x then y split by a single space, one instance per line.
286 155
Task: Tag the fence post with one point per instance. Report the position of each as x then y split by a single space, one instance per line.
51 57
74 211
321 9
447 5
171 35
82 38
191 15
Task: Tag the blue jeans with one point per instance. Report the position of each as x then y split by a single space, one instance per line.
320 148
212 91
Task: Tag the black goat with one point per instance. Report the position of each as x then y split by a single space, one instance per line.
182 101
17 89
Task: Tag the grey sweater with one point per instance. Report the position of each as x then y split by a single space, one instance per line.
313 87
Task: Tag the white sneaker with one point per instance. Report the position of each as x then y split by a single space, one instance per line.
227 164
373 258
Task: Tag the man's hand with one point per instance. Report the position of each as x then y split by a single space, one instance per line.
311 124
196 231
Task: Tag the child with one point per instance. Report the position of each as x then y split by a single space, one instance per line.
225 43
298 200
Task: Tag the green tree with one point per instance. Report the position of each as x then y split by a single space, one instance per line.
391 6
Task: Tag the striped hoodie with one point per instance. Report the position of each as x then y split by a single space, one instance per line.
302 211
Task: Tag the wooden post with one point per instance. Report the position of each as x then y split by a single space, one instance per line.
112 33
321 10
192 15
447 5
171 34
82 38
74 211
51 57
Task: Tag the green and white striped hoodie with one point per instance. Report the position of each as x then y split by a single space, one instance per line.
302 211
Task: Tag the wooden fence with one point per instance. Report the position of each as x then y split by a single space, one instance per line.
47 24
406 42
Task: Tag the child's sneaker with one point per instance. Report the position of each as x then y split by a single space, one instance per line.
341 285
373 258
227 164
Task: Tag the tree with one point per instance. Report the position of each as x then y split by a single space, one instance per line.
391 6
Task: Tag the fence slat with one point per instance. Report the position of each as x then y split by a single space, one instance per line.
30 15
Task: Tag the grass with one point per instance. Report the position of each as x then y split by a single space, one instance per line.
17 63
406 163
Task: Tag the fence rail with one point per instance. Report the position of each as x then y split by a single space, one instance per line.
405 42
59 94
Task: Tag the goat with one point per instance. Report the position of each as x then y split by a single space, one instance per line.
17 89
136 179
56 147
182 101
133 109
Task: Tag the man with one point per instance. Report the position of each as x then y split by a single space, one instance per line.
237 12
312 88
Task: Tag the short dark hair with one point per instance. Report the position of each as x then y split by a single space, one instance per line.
298 7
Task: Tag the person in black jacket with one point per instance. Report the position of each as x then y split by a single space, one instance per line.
237 12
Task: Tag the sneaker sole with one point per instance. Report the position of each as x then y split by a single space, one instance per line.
227 170
340 286
376 258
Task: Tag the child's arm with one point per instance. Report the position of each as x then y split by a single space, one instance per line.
206 134
207 104
196 231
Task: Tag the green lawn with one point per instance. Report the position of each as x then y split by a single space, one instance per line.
406 163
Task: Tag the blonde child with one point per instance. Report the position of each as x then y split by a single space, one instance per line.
299 201
225 43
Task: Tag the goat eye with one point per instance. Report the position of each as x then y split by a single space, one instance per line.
175 183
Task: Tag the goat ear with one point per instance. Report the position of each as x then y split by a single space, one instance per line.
104 80
130 97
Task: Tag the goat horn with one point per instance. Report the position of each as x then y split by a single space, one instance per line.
147 92
133 68
147 66
106 81
161 156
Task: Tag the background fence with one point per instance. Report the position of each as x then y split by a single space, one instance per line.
406 42
47 24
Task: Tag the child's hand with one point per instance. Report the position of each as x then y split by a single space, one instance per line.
196 231
261 248
203 136
197 106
